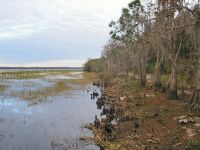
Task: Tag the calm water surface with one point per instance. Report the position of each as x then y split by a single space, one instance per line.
55 123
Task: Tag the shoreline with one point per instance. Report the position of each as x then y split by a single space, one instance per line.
140 118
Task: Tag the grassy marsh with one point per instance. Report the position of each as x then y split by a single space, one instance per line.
47 108
37 86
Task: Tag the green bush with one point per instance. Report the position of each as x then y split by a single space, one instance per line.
150 67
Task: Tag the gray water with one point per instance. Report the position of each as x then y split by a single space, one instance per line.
56 123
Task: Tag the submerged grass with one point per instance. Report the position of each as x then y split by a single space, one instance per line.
21 75
2 88
43 93
33 74
34 91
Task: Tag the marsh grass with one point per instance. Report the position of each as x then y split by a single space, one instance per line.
43 93
2 88
21 75
86 79
33 74
35 91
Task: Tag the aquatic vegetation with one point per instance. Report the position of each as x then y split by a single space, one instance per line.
86 78
34 74
50 108
2 88
44 93
21 74
38 86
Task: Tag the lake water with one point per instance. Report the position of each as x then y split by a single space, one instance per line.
54 121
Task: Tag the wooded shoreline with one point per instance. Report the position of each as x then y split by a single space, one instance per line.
151 76
134 117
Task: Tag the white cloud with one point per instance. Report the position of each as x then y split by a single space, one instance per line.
19 30
22 18
53 29
50 63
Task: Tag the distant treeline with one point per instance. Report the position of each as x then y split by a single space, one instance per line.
94 65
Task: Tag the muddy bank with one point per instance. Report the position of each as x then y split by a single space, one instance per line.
133 117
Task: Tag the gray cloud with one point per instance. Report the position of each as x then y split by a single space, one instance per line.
34 31
21 18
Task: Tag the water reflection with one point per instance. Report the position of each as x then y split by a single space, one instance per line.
52 124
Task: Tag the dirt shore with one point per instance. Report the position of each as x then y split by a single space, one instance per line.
141 118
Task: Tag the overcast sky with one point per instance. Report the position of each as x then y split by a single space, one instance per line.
54 32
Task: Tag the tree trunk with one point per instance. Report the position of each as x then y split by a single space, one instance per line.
194 102
143 79
126 80
157 81
172 93
142 69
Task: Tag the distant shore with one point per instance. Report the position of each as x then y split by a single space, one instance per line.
46 68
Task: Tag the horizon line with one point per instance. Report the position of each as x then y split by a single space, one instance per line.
8 67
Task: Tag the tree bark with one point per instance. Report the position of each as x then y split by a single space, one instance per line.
143 79
142 68
194 102
172 93
126 80
157 81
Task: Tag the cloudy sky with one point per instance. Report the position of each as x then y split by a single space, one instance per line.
54 32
